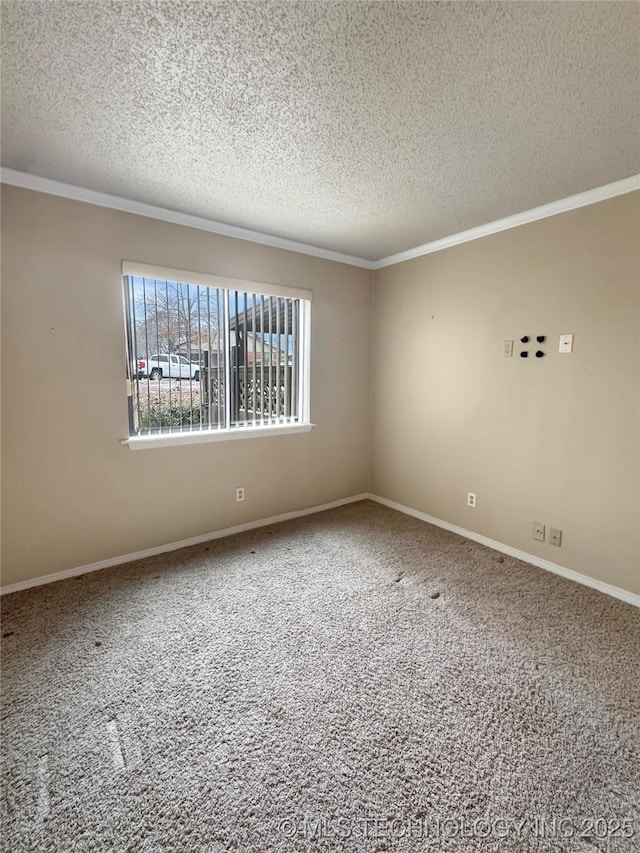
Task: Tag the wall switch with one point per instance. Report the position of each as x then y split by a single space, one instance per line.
507 349
555 536
566 343
240 494
538 531
471 499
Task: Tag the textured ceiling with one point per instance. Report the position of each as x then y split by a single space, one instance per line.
362 127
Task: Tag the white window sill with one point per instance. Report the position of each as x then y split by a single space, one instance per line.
150 442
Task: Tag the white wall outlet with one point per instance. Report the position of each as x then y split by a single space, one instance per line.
471 499
538 531
566 343
507 349
240 494
555 536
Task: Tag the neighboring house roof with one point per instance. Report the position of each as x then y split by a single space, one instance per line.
198 346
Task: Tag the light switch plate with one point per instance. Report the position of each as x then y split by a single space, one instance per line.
566 343
507 349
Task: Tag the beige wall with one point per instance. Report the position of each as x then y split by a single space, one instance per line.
72 494
554 440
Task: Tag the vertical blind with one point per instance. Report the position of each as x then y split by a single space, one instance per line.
205 357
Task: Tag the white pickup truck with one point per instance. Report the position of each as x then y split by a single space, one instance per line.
168 367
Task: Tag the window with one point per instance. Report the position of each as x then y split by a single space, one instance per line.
212 358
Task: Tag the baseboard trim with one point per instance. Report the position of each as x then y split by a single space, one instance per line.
539 562
547 565
175 546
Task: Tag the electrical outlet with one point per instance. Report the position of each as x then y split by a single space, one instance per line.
555 536
471 499
507 349
240 494
538 531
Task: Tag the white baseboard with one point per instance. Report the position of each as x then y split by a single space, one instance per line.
174 546
585 580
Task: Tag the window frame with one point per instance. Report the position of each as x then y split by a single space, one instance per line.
132 269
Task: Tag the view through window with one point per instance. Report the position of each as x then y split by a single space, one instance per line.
202 357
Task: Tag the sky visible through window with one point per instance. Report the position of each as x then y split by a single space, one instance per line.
156 297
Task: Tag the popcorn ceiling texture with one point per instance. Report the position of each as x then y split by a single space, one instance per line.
356 663
366 128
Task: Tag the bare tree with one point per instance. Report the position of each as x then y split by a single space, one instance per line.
171 316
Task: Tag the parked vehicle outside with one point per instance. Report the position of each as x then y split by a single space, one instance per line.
168 367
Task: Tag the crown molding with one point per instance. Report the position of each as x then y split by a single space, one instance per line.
626 185
50 187
46 185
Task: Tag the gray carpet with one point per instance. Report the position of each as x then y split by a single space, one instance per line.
354 680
